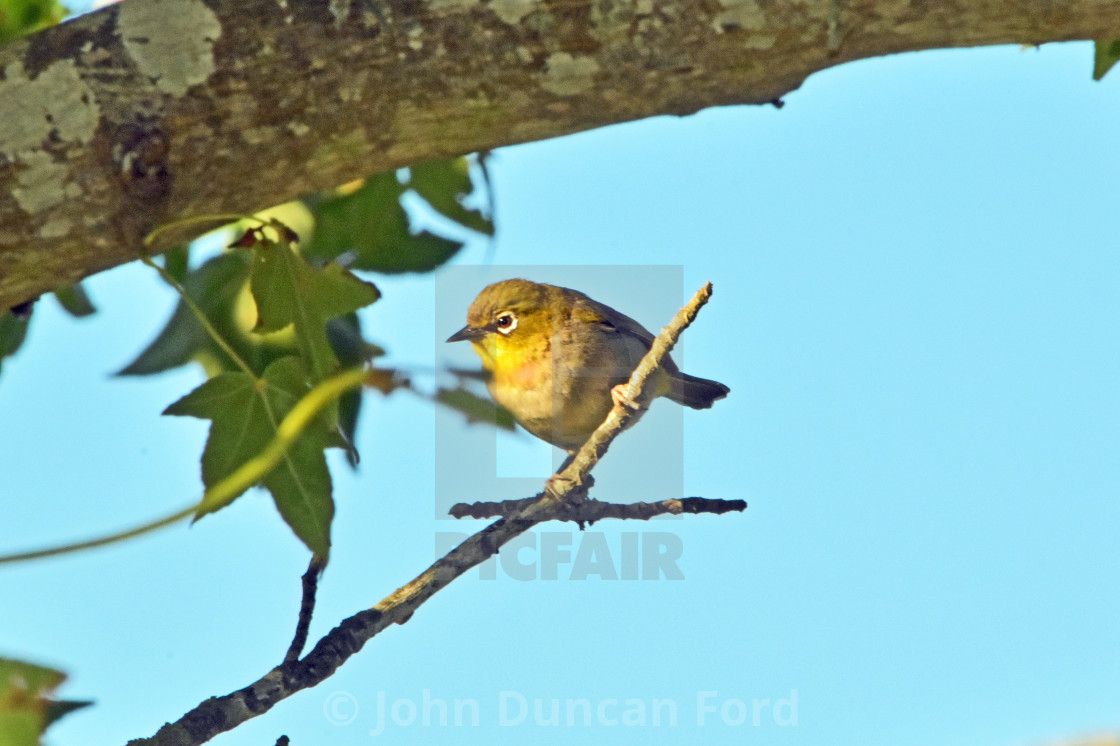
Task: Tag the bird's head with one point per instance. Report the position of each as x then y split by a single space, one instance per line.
511 323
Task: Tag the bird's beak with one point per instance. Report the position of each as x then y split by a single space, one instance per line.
467 333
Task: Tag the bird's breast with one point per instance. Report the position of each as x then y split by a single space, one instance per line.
529 374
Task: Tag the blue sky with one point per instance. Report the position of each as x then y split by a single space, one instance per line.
915 266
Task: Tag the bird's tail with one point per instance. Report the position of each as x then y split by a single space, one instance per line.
698 393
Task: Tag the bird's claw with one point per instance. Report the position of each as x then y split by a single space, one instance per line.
620 396
558 485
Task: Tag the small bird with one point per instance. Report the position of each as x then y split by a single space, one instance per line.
554 357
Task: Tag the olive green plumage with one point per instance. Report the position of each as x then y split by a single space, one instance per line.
554 354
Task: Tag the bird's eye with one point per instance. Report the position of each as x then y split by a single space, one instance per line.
506 323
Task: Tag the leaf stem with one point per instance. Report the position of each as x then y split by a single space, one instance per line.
224 218
251 472
201 316
101 540
305 410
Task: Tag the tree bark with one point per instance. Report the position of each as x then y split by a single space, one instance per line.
152 111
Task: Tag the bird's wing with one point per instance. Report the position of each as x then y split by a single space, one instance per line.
604 314
640 338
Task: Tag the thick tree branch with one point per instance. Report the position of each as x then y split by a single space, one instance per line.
220 714
150 111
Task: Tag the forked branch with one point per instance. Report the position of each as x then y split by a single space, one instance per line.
567 491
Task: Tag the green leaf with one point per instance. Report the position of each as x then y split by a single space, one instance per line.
339 291
74 299
351 348
444 184
176 261
214 287
24 701
371 223
217 287
289 291
13 330
476 408
1106 52
19 17
244 417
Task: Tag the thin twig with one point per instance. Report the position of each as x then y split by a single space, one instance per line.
310 586
220 714
620 416
589 511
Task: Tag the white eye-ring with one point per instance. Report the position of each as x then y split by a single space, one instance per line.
506 322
